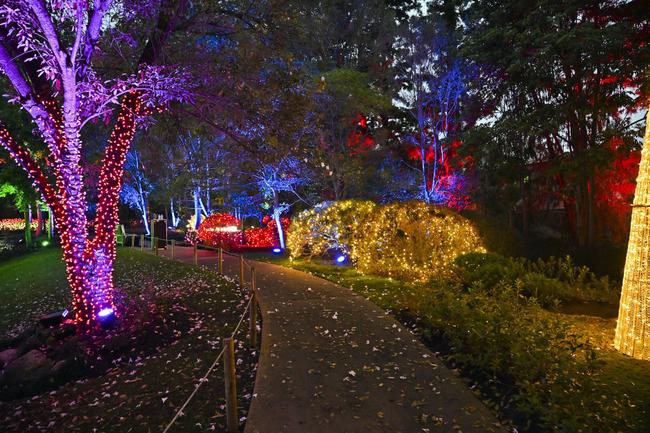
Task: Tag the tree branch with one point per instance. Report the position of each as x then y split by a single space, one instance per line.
47 27
27 163
93 31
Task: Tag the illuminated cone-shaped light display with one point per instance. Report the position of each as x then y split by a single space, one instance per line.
633 327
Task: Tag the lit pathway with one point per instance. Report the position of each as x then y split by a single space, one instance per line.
333 362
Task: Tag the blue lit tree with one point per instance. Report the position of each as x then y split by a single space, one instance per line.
137 187
434 84
279 180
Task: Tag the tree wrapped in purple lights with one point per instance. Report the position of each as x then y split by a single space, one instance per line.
46 53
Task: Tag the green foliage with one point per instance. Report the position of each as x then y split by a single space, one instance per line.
549 281
497 234
354 91
527 363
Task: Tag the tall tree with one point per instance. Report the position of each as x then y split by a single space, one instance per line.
47 52
570 76
434 83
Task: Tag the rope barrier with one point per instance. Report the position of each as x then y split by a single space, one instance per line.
205 376
154 245
199 246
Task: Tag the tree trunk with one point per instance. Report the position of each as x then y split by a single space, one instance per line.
277 218
28 227
39 220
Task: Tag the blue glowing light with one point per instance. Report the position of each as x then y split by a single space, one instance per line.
340 259
277 250
106 312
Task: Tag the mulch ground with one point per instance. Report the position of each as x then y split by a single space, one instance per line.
136 376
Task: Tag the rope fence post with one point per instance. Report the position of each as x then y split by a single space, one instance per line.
173 248
154 242
241 271
141 242
132 241
220 261
196 255
231 386
253 312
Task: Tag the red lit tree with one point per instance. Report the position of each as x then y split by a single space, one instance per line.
46 54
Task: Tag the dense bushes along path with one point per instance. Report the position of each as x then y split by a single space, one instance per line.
332 361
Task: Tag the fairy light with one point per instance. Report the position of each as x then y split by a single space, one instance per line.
328 226
411 241
633 326
221 229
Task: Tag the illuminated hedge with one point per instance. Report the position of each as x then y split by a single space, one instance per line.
413 241
16 224
220 230
223 230
328 226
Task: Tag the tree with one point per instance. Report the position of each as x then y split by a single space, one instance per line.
349 131
47 52
137 187
570 77
434 84
284 176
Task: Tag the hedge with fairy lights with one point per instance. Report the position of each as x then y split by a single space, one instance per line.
328 226
223 230
412 241
220 230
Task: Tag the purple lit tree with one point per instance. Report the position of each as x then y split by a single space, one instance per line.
47 49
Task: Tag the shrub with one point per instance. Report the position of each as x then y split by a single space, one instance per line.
526 361
549 281
412 241
220 230
328 226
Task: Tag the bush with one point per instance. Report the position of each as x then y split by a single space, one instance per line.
412 241
328 226
220 230
549 281
527 362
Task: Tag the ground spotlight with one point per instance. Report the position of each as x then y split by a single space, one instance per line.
106 317
277 250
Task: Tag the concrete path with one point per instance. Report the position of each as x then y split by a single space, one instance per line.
333 362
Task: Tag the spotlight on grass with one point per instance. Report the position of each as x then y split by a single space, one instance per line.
45 243
277 250
340 259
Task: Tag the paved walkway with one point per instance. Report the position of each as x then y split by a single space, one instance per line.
333 362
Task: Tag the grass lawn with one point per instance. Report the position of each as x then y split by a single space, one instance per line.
177 316
620 380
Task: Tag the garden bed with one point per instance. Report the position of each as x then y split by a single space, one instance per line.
135 376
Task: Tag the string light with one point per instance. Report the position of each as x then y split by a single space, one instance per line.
411 241
89 262
633 326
